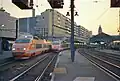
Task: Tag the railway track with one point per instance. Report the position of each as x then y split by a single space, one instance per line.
36 71
6 61
46 72
109 67
110 58
13 69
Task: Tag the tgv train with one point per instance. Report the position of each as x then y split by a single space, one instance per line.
56 45
59 45
28 46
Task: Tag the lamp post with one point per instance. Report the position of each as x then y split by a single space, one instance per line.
44 28
72 31
28 28
52 24
17 28
72 6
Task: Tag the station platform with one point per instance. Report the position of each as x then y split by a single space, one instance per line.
5 55
80 70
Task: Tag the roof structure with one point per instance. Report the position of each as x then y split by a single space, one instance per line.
101 37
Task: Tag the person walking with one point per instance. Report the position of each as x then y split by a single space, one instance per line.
5 45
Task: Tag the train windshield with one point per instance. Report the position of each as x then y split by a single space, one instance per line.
56 43
22 41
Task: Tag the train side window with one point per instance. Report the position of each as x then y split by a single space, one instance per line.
49 46
118 43
44 45
38 45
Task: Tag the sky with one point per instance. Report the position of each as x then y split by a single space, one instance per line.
91 14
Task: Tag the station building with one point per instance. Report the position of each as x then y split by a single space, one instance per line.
7 28
52 24
7 25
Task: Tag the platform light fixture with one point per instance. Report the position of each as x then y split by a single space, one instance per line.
76 13
56 3
23 4
115 3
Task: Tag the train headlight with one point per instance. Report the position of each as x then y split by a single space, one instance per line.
24 48
13 49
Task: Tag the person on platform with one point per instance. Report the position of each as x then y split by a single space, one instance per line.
5 45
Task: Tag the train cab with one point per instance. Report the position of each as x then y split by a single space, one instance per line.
56 45
22 46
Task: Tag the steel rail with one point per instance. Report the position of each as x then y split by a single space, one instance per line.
106 61
6 63
106 70
27 70
107 53
108 56
39 77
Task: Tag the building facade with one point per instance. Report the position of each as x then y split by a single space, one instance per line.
27 25
58 25
7 25
52 24
55 22
7 28
84 34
